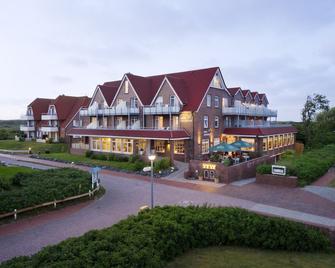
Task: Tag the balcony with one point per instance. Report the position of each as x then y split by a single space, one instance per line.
49 129
116 110
26 128
249 111
161 109
49 117
255 124
27 117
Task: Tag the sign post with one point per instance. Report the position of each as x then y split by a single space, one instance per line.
95 177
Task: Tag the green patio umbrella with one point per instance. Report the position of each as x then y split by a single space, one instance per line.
242 144
224 147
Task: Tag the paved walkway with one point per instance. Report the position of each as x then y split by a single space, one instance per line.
325 192
127 192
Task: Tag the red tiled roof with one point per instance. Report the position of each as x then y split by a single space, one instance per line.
254 94
233 90
245 92
40 106
81 102
260 131
109 91
129 133
190 83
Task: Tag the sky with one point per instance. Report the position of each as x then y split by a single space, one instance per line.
283 48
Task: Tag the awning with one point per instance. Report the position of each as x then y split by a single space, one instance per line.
265 131
224 147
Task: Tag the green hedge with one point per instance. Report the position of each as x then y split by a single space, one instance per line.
308 167
156 236
28 189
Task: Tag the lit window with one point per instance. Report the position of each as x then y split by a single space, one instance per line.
205 121
265 144
106 144
270 143
251 141
205 146
160 146
126 86
179 147
209 100
116 145
128 146
280 141
216 102
275 141
216 122
96 144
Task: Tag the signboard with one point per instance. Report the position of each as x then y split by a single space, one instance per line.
208 166
95 176
278 170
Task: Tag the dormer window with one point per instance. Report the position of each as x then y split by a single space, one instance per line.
29 112
126 87
159 101
52 110
133 102
172 100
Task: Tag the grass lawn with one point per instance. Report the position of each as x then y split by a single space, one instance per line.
245 257
6 173
85 160
35 146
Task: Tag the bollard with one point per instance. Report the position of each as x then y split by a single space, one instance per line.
89 193
55 204
15 214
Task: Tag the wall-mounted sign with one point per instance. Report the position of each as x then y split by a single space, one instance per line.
208 166
278 170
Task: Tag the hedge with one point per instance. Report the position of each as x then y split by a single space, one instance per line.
155 237
29 189
308 167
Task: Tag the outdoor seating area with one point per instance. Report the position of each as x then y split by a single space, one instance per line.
230 154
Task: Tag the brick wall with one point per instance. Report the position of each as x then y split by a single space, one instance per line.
286 181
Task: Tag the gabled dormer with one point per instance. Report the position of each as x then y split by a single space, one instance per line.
166 94
237 96
256 99
30 111
247 96
52 110
98 100
126 95
263 99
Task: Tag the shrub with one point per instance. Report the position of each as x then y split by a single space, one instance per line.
215 157
88 153
154 237
162 164
47 151
133 158
4 185
101 157
263 169
139 165
49 140
120 158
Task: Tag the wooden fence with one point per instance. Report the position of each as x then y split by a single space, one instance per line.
54 203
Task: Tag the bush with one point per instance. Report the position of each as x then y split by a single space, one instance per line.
47 151
154 237
120 158
44 186
101 157
162 164
139 165
264 169
215 158
88 153
133 158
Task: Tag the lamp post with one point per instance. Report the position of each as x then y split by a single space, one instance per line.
152 158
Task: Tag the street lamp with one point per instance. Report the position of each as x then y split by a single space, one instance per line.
152 158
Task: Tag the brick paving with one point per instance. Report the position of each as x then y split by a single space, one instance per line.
127 192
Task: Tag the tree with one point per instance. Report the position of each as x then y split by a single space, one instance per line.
313 105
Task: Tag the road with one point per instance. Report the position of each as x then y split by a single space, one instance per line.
123 197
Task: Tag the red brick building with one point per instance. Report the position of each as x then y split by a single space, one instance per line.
178 115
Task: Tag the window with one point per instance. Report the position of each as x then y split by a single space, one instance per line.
280 143
251 141
159 101
216 122
270 143
179 147
205 146
160 146
116 145
106 144
275 141
159 122
133 120
217 81
127 146
133 102
126 86
175 122
172 101
216 102
224 102
285 140
209 100
205 121
96 144
265 144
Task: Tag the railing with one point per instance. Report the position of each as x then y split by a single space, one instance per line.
27 128
161 109
46 116
27 117
47 204
251 124
249 110
133 128
82 146
117 110
49 129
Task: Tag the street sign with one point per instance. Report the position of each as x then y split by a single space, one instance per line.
278 170
95 176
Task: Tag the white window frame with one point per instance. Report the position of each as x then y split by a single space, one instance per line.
179 147
172 101
206 123
209 100
126 87
216 102
216 122
205 146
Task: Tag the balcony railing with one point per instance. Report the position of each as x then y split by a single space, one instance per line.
251 124
249 111
49 129
116 110
131 127
49 117
26 128
82 146
161 109
27 117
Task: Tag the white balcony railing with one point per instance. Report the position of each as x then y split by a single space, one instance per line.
249 111
49 117
161 109
116 110
26 128
82 146
27 117
49 129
